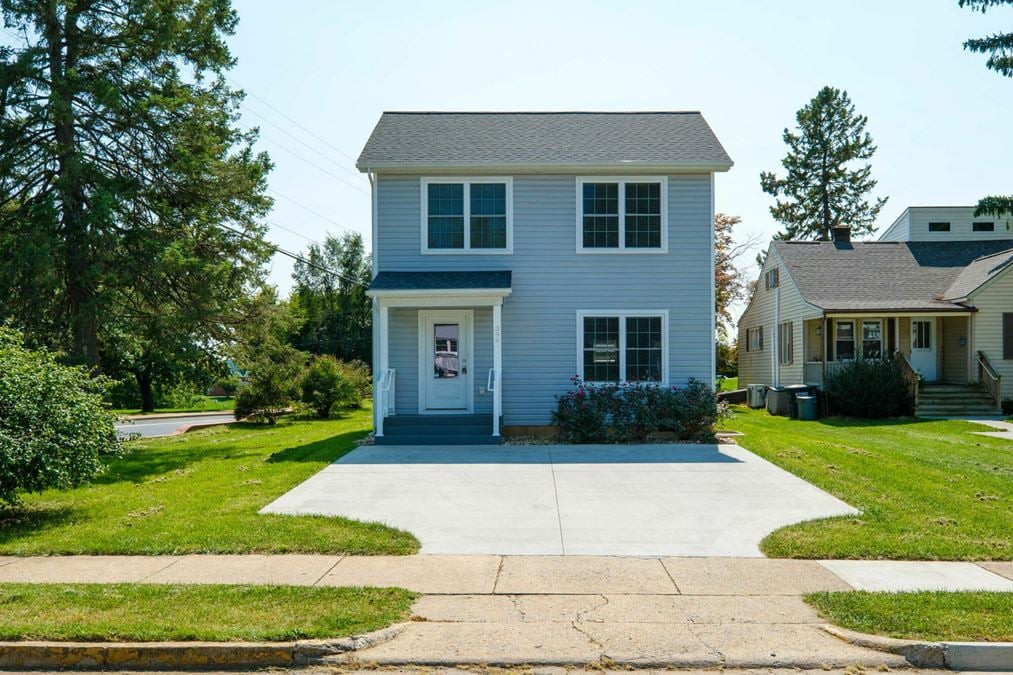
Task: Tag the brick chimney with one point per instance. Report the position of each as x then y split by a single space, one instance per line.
840 234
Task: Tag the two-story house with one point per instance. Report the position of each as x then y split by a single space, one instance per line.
513 251
936 291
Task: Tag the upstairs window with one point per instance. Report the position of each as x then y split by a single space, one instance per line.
772 279
939 227
471 215
983 227
622 215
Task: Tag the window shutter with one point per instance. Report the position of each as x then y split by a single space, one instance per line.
1007 336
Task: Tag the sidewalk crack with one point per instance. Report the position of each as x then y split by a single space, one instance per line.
499 570
329 569
175 560
669 574
555 492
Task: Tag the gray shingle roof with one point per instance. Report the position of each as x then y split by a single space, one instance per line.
977 273
433 139
903 276
440 281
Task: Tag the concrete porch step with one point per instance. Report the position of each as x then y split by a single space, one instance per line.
473 429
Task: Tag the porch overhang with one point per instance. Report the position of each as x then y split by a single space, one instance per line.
443 289
851 312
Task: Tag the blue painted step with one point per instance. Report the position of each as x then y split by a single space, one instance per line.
438 430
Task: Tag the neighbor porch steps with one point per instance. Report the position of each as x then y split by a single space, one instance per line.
438 430
953 400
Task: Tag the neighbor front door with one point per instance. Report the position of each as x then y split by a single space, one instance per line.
444 360
923 348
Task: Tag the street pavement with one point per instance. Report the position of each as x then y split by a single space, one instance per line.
149 427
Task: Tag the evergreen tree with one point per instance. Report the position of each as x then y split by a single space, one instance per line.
828 178
999 48
120 161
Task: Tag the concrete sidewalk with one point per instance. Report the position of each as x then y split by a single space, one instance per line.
520 575
567 610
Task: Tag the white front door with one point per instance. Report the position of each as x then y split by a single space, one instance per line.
445 360
923 348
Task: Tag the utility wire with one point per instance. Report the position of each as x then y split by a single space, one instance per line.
316 166
308 131
308 209
288 133
291 231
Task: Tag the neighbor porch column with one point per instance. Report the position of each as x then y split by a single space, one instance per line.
383 363
497 365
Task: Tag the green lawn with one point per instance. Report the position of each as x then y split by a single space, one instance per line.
200 493
139 612
729 384
207 404
927 615
927 490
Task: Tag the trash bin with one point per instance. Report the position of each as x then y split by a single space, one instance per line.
777 401
806 405
793 391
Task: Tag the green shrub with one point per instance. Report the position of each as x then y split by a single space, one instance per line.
324 385
360 378
54 425
229 384
629 412
273 383
869 388
179 397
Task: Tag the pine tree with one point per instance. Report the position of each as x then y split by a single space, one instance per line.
828 178
999 48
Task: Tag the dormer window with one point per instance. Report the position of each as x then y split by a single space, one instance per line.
467 215
622 215
939 227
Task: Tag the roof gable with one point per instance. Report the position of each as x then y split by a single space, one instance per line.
543 139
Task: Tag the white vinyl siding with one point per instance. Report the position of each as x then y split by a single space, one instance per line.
961 220
992 301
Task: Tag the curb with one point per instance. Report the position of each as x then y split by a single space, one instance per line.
169 416
981 656
181 655
606 662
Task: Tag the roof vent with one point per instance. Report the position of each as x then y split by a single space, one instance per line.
840 234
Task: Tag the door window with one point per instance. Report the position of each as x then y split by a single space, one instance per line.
446 357
921 335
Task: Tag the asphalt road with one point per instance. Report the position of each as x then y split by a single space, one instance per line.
168 426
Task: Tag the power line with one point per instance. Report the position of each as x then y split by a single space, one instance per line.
304 143
316 166
308 209
295 232
311 133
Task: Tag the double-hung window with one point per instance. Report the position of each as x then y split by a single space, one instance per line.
844 340
622 215
467 215
754 339
786 343
872 339
622 346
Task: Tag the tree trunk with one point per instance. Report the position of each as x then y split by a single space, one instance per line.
144 387
62 45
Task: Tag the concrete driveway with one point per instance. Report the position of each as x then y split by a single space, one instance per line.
638 500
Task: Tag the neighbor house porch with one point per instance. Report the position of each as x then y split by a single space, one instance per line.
437 340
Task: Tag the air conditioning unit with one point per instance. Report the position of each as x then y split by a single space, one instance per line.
756 395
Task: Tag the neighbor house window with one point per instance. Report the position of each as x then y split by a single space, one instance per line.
467 215
754 339
921 335
772 278
785 343
622 347
939 227
983 227
844 340
872 339
621 215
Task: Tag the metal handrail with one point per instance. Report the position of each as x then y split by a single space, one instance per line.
386 386
994 379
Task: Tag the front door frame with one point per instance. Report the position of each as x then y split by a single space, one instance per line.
466 318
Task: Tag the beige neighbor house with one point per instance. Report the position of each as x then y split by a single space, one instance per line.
937 289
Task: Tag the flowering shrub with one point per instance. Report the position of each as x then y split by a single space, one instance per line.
627 412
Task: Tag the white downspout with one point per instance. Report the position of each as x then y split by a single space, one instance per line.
775 341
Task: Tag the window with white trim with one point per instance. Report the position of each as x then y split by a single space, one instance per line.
622 214
472 215
622 347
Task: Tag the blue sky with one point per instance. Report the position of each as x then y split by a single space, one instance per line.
941 120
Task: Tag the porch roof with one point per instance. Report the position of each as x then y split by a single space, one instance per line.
492 282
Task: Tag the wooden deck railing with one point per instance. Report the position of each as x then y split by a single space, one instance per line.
911 376
989 378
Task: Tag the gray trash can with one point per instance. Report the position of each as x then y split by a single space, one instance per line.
795 390
806 407
778 401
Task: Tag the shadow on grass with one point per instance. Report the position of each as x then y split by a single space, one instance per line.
850 422
17 522
327 450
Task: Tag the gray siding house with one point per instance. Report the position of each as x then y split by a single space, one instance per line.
513 251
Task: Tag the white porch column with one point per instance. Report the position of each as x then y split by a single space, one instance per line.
497 365
383 363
